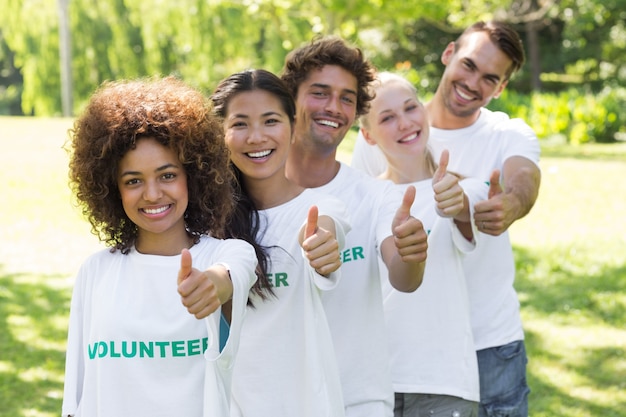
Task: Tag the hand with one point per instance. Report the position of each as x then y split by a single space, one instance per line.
449 195
409 235
320 245
491 215
196 288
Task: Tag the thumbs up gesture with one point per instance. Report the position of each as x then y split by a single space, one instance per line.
448 193
492 216
409 235
319 242
200 290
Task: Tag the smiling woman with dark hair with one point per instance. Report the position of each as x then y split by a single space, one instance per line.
150 170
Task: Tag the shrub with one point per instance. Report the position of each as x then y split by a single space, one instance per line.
580 117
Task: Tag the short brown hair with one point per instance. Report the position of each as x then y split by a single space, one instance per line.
330 50
504 37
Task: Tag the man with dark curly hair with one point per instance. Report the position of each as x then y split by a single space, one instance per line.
149 168
330 79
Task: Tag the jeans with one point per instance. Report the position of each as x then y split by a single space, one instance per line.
503 387
429 405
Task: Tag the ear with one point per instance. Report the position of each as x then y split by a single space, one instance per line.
500 89
447 53
368 138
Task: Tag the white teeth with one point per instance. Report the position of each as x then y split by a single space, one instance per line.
156 210
328 123
259 154
408 138
464 96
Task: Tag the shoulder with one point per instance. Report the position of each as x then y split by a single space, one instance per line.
502 122
215 245
102 257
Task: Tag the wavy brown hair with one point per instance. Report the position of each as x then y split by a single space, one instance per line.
330 50
504 37
178 117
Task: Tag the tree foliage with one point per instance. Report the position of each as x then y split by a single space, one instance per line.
202 41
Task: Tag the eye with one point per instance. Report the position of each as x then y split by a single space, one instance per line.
272 122
348 99
386 118
411 107
132 181
168 176
237 124
491 81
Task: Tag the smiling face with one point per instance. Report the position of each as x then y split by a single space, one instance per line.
397 122
475 73
326 107
257 133
153 188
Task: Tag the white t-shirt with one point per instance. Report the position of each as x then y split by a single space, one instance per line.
134 349
354 309
285 366
476 151
429 331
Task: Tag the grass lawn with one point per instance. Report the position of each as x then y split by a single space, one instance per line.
570 252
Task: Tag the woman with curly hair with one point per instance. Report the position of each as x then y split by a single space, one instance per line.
149 168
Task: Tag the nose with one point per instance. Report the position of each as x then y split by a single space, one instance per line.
403 122
333 104
152 191
256 135
472 81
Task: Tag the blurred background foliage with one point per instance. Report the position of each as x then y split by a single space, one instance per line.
572 86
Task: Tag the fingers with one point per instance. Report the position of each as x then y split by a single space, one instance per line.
442 168
411 241
185 265
198 293
323 253
404 212
494 183
311 222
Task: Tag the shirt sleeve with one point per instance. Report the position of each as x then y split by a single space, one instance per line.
476 191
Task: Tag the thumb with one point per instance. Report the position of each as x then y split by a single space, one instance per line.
185 265
404 212
442 168
494 183
311 222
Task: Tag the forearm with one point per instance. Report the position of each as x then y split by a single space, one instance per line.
221 279
521 185
404 275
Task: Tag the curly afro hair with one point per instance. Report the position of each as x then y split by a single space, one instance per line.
177 116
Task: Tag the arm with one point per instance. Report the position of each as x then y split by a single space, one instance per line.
521 179
404 253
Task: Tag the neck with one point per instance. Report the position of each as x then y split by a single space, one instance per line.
407 171
311 169
271 192
165 244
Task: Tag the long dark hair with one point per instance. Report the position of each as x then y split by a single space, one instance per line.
244 222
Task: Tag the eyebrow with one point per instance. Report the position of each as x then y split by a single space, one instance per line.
327 86
245 116
159 169
408 100
494 77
